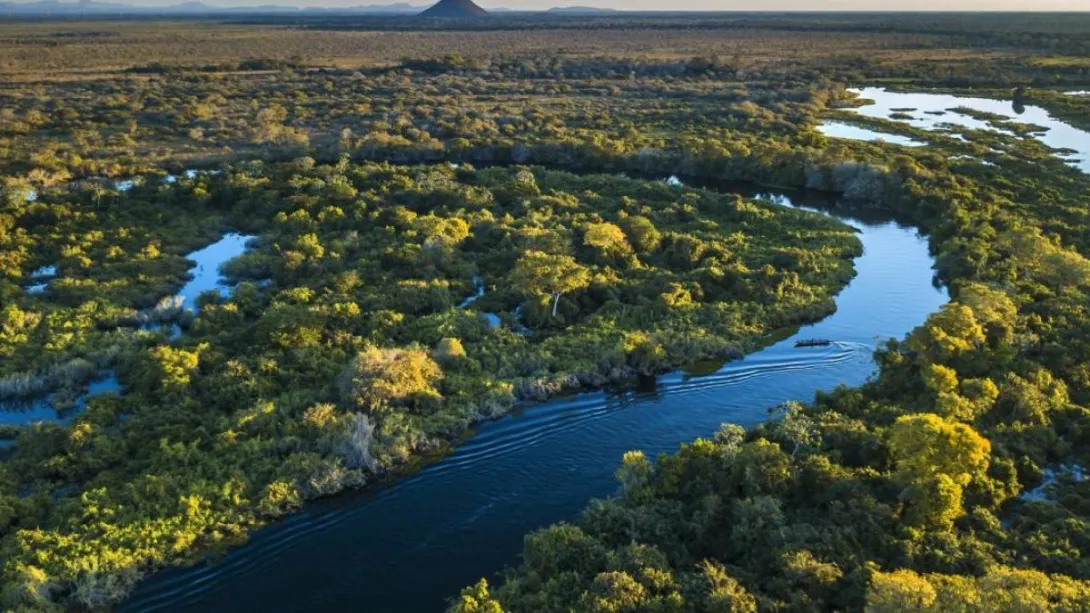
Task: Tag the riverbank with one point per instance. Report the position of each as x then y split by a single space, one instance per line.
920 486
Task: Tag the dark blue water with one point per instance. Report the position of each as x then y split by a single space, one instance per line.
412 545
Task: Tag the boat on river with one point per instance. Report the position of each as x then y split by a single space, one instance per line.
813 342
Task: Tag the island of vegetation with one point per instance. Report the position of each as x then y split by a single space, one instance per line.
462 221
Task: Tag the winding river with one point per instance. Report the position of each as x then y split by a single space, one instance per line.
413 544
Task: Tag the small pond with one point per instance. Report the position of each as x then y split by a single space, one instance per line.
1053 476
40 279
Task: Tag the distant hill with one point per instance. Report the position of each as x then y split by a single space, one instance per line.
455 9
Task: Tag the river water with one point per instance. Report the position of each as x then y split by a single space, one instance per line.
411 545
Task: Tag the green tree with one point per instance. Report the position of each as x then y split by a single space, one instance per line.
381 378
476 599
925 445
643 234
449 350
933 502
1031 400
607 239
947 334
999 590
563 548
549 276
961 400
797 426
724 593
902 591
172 368
935 459
993 308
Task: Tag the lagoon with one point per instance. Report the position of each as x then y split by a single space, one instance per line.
938 112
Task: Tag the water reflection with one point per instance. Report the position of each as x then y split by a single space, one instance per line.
15 412
206 271
839 129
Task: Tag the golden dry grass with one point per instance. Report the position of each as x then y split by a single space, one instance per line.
51 50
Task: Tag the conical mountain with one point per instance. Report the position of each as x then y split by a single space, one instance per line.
455 9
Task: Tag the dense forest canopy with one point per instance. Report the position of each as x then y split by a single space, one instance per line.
442 230
355 341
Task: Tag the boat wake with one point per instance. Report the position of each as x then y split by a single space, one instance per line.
497 459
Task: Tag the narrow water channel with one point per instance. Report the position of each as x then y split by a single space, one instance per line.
205 276
412 545
206 271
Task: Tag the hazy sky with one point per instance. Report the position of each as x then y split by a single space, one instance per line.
732 5
809 5
690 5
